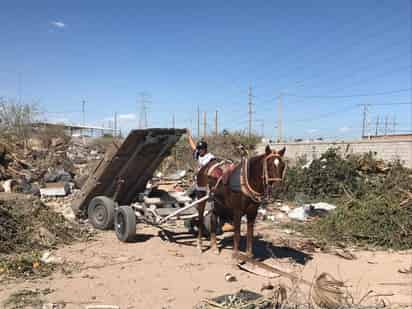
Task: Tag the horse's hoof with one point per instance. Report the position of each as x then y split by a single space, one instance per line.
199 248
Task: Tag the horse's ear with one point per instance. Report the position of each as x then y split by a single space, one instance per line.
282 151
268 150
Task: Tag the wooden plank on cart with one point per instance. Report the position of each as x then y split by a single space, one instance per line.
126 169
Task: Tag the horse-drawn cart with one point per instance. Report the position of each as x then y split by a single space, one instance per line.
116 194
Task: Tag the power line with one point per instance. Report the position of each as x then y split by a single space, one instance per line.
358 69
143 111
325 115
345 48
349 95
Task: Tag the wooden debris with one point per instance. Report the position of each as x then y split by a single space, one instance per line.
405 270
346 254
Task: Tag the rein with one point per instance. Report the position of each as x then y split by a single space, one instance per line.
256 196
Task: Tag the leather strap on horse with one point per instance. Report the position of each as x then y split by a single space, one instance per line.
244 183
265 174
211 169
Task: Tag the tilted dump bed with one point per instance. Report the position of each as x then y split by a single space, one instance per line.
124 172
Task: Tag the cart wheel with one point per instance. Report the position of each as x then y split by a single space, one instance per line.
101 212
125 223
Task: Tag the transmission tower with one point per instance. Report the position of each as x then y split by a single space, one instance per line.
143 102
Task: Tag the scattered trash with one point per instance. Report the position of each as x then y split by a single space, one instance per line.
29 298
230 278
9 185
259 271
55 189
285 208
267 286
302 213
48 258
241 299
346 254
405 270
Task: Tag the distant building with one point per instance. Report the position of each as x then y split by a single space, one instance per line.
406 137
78 130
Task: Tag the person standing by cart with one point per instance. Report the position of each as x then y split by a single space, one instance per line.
203 157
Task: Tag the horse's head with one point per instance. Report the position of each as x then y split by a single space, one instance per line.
274 166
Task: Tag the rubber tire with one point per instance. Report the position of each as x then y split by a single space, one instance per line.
105 204
125 224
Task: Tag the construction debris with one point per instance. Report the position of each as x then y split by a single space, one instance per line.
405 270
241 299
306 211
55 189
29 298
229 277
26 224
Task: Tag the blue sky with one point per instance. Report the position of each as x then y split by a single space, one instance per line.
324 58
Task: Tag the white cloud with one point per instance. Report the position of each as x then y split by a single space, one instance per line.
311 131
127 116
58 24
344 129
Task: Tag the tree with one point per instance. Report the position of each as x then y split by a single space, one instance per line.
16 119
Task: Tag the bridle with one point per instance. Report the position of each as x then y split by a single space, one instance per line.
258 197
265 172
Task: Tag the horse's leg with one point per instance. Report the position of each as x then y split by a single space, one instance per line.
200 210
236 237
213 223
251 218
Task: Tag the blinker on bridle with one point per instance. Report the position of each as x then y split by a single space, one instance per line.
265 176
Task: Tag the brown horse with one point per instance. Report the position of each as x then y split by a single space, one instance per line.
239 190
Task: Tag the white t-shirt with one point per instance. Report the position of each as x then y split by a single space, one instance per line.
203 160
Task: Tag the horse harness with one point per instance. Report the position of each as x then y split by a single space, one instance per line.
223 170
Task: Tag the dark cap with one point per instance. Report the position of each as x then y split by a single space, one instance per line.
201 145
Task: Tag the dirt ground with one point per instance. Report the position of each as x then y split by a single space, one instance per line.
155 273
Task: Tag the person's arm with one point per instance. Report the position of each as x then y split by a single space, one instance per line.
191 141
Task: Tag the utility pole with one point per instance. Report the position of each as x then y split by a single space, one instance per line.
386 125
84 117
115 125
250 104
263 128
198 122
394 124
143 111
84 112
173 121
204 124
377 126
216 124
280 119
364 120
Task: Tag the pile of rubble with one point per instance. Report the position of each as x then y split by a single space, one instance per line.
27 224
56 165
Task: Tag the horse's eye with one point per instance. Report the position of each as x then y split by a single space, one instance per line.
276 162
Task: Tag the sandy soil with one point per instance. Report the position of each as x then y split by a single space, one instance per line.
156 273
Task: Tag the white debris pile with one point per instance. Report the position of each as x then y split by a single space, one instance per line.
306 211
